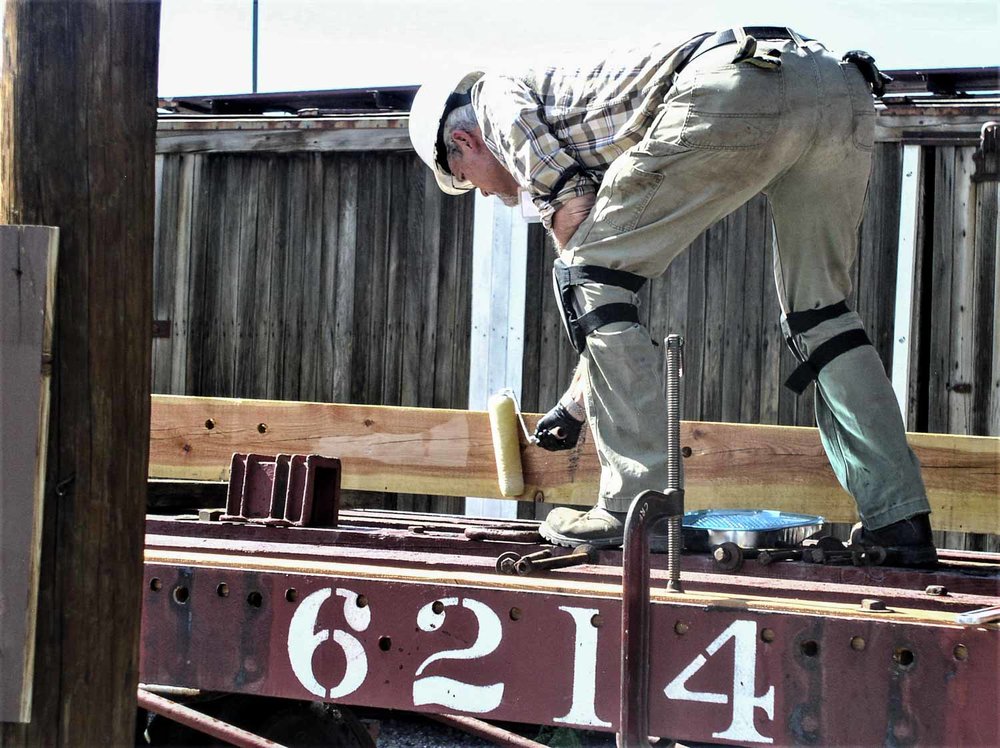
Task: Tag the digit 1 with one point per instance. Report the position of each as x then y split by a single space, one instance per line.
583 709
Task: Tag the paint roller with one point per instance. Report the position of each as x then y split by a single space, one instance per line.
505 415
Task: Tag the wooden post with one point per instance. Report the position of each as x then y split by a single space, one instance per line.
77 137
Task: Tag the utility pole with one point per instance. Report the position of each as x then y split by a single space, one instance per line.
77 149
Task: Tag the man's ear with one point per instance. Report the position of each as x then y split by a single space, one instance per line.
467 141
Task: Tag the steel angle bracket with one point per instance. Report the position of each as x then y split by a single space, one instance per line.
283 490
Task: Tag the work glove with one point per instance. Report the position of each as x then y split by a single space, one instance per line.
559 429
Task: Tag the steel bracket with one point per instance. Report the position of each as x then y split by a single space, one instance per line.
283 490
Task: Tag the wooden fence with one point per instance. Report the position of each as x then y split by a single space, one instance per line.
295 267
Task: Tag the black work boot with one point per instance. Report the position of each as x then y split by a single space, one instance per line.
907 542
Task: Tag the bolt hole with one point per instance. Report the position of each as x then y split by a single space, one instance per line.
255 599
686 452
437 607
155 584
262 428
858 643
681 628
209 424
961 652
222 590
810 648
596 621
181 595
291 594
362 601
903 657
767 635
515 614
385 643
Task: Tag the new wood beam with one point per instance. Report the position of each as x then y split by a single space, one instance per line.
449 453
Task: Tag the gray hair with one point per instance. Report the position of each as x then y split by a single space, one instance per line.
463 118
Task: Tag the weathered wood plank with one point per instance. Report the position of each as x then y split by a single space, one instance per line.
939 307
714 332
449 452
750 346
694 341
736 358
188 184
430 250
447 308
250 279
353 133
413 323
912 124
167 211
378 281
258 325
326 312
964 338
292 315
222 212
986 326
391 338
991 208
276 248
27 292
282 136
347 281
311 293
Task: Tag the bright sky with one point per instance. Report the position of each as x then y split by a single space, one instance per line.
205 45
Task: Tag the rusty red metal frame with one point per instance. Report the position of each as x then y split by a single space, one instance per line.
383 613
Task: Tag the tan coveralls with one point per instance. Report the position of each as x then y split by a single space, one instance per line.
801 133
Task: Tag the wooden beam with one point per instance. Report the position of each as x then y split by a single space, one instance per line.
78 119
218 134
27 289
449 453
954 125
294 135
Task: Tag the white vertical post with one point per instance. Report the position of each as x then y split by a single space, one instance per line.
499 264
909 218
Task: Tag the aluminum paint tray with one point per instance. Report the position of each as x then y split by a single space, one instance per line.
748 528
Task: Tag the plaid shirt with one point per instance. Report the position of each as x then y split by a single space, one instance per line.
557 131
